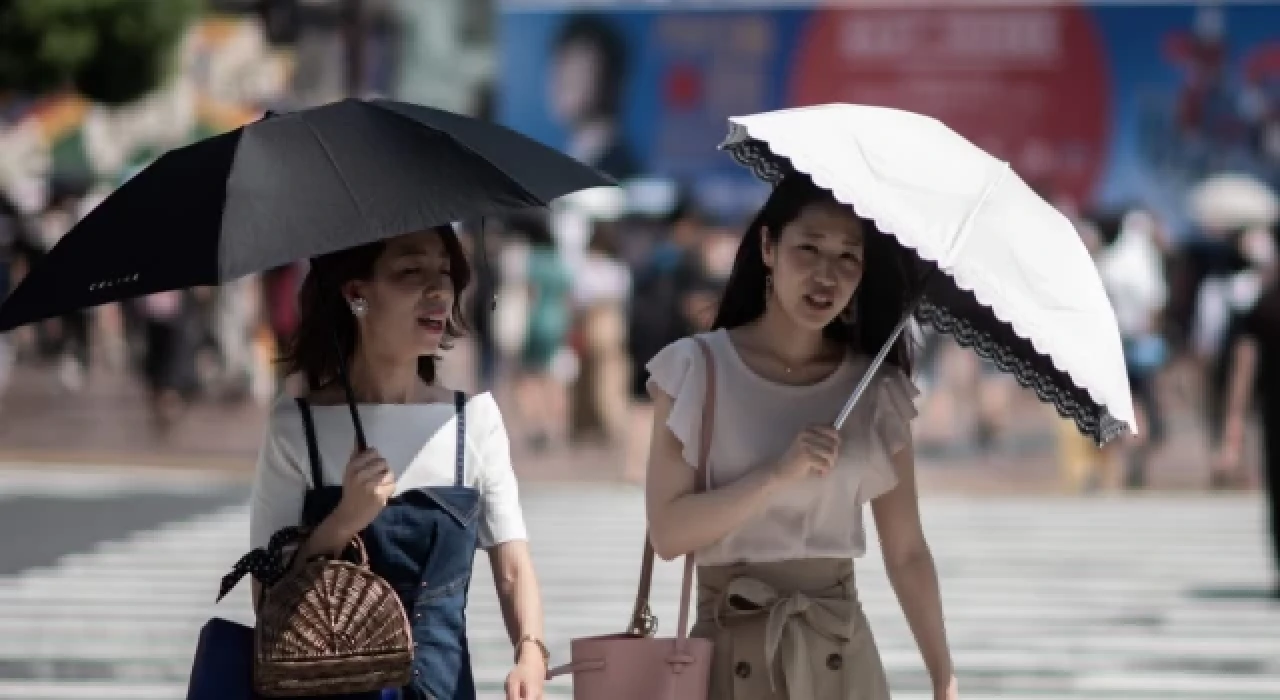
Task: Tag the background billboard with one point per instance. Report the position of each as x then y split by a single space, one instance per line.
1101 104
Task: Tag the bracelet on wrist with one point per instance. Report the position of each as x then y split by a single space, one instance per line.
542 648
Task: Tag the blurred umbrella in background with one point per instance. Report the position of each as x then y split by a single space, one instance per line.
1232 201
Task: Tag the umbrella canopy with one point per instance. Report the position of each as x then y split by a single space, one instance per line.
1011 278
289 187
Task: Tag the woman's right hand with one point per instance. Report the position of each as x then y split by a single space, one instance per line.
813 451
367 483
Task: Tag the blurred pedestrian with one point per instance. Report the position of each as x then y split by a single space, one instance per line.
1224 302
68 337
280 301
602 291
169 361
1132 272
1255 370
542 376
1083 466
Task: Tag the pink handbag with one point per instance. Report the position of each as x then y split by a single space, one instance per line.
634 665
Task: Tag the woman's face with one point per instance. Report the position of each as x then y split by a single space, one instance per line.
575 73
409 296
816 263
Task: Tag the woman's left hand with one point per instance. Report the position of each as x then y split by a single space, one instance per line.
526 680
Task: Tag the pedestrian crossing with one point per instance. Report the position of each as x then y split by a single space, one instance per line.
1046 599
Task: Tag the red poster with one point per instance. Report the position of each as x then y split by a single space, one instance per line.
1029 85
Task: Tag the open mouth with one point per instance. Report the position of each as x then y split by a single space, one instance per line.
433 324
819 301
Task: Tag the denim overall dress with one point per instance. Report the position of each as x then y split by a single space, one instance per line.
423 543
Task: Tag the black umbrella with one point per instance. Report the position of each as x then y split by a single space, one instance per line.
289 187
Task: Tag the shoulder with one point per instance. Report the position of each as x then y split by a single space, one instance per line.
285 417
284 440
482 413
689 348
681 363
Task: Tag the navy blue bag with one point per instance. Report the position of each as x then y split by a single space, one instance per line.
223 666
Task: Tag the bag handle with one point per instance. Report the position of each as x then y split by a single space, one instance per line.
643 622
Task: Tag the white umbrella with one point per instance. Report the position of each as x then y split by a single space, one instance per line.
1233 200
1018 286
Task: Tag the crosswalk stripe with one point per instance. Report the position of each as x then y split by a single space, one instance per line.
1046 599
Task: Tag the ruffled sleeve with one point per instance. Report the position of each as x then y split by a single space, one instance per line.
890 427
678 371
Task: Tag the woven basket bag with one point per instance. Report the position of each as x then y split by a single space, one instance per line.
331 627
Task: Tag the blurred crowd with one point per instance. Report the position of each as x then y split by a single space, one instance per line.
570 305
1183 311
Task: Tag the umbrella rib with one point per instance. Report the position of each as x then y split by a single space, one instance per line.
469 149
952 253
341 178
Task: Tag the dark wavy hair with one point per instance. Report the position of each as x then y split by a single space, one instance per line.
322 309
889 279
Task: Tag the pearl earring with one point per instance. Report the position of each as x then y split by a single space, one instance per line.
359 306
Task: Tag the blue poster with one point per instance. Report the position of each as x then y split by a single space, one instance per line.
1095 105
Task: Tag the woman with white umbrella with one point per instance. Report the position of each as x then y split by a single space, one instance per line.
876 214
814 292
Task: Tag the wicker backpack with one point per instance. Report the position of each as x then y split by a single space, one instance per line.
331 626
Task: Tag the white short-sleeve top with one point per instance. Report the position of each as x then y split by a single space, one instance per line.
755 421
419 443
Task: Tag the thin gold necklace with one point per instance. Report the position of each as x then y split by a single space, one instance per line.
786 368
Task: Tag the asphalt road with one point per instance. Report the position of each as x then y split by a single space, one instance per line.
48 512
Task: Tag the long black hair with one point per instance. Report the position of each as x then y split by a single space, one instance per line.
889 279
322 310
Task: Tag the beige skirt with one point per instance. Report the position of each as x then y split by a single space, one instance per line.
788 630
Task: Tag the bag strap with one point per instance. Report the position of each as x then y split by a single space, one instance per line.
460 458
268 564
643 622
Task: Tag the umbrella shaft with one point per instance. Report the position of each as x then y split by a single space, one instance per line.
884 351
875 364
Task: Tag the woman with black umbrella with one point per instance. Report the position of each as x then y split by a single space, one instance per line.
395 305
366 191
